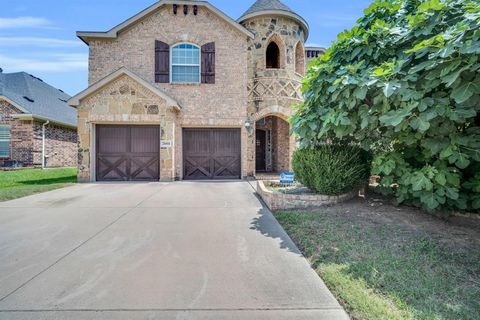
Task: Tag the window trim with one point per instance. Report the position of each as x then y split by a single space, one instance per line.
186 65
9 141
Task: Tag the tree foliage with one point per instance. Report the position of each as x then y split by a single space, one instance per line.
332 169
405 83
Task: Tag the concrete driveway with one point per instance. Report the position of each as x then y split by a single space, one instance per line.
185 250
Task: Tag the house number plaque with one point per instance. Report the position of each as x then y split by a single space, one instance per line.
166 144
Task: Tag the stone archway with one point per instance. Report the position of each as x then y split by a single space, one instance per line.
282 51
273 144
276 110
300 59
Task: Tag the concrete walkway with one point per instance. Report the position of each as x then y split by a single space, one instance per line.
185 250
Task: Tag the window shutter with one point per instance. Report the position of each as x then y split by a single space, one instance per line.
162 62
208 63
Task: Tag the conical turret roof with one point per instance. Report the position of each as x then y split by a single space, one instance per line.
273 7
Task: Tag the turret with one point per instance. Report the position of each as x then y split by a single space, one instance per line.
276 66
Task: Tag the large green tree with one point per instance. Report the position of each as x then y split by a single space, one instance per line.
405 83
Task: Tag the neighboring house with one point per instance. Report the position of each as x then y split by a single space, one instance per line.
313 52
182 91
37 126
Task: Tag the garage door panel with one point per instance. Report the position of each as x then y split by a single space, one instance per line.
197 167
112 168
197 141
128 153
212 154
144 140
226 142
114 140
226 167
144 168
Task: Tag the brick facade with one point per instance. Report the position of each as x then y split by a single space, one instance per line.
60 145
26 141
21 135
278 152
237 98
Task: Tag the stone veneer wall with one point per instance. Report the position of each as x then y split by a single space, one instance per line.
280 201
223 104
273 91
124 101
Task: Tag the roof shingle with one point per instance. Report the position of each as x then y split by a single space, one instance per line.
37 98
264 5
273 7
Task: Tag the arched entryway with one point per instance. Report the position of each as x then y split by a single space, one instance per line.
273 145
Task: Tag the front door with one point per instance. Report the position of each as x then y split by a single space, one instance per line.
128 153
260 150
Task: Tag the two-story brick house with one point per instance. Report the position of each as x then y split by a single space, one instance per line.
182 91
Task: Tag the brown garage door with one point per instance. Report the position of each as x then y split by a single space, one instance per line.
211 154
128 153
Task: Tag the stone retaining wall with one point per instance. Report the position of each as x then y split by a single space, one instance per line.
281 201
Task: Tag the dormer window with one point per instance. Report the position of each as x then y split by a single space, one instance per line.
185 63
273 56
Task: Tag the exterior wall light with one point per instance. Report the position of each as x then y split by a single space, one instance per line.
249 126
185 9
175 8
195 9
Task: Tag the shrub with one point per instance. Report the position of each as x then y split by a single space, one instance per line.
405 83
332 169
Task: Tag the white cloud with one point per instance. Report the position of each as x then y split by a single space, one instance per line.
24 22
38 42
60 62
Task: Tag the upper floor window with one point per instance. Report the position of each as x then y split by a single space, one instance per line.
185 63
4 141
273 56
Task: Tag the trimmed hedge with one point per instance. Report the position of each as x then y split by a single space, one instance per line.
332 169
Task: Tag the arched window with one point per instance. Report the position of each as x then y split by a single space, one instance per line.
185 63
273 56
300 59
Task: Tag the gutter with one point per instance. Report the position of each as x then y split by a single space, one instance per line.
29 116
43 143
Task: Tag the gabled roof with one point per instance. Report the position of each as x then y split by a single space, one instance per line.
75 100
36 98
273 7
113 33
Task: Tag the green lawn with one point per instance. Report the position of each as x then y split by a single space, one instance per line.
21 183
385 266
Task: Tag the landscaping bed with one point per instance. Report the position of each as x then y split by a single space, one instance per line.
296 196
24 182
388 262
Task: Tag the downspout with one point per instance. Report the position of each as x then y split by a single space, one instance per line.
43 143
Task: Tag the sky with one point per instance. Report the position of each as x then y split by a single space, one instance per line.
38 37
